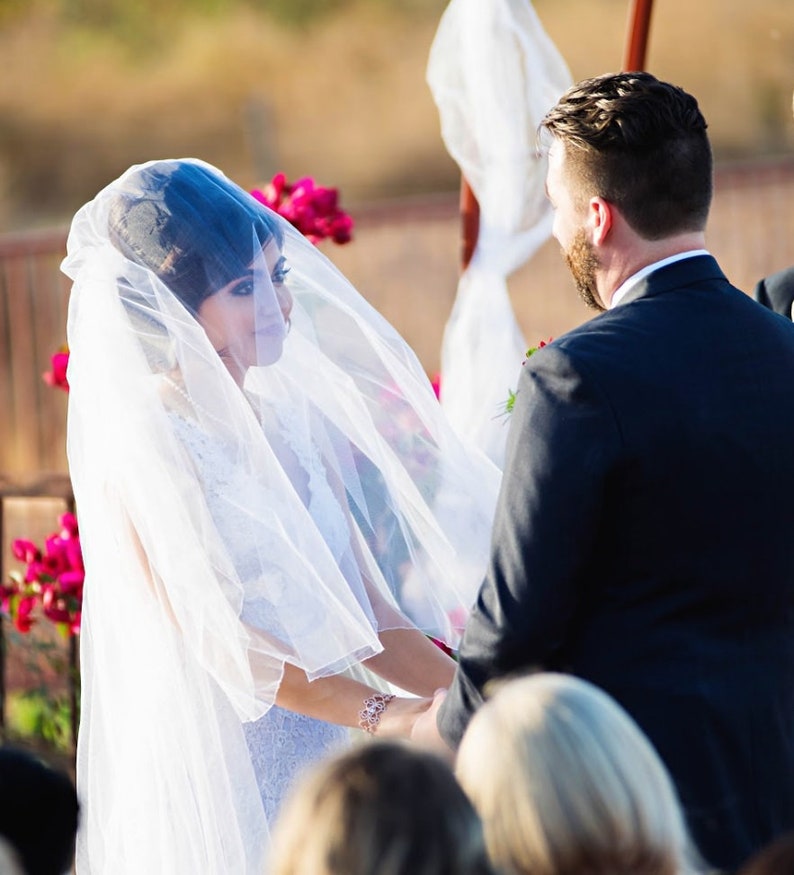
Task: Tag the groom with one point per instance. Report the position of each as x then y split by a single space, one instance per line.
644 538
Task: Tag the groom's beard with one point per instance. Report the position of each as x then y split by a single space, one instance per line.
583 263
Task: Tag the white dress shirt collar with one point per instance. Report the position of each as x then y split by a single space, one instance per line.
632 281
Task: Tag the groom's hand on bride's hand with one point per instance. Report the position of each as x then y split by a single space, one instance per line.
425 729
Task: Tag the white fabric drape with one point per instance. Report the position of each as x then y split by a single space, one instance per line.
494 73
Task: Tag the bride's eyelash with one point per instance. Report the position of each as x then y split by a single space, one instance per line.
245 288
280 271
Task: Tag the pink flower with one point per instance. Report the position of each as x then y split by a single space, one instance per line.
57 375
68 524
311 208
71 582
435 382
74 554
54 577
25 551
338 227
54 606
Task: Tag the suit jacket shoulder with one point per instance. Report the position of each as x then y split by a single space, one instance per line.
776 291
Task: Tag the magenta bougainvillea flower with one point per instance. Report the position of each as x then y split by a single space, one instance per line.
313 209
52 580
56 376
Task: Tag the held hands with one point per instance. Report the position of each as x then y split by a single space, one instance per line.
425 729
415 719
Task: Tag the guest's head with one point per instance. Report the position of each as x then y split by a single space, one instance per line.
38 813
636 145
566 783
380 809
214 247
777 858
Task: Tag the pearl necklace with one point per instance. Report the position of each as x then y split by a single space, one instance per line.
195 405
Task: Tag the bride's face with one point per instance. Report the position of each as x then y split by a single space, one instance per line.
246 320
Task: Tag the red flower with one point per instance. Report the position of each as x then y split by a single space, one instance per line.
312 209
440 644
534 349
57 375
511 395
23 620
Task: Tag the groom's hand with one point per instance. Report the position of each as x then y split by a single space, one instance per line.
425 729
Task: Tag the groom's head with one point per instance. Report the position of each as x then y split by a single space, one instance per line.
641 144
625 147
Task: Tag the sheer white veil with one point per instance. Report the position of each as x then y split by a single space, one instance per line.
262 475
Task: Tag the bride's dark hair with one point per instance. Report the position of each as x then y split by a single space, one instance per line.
192 227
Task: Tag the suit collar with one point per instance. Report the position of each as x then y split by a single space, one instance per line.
684 272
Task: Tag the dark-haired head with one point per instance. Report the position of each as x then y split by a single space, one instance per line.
640 144
29 791
191 226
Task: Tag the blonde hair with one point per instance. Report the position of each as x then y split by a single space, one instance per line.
565 782
381 808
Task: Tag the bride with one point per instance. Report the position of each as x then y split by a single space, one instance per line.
274 515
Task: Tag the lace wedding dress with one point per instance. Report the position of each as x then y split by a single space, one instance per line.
281 743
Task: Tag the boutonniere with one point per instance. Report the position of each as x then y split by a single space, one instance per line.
511 394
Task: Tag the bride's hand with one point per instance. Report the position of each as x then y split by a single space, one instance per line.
425 729
400 717
415 719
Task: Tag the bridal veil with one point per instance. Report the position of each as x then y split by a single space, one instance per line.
274 488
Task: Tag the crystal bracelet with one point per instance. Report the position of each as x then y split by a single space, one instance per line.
370 714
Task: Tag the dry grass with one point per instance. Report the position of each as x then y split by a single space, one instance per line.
346 102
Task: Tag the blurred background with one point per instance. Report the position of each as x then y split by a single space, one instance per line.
335 89
329 88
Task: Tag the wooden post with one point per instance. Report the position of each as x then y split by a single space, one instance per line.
469 222
637 38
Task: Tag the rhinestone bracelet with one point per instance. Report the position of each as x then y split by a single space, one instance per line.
374 706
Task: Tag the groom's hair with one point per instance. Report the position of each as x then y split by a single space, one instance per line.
640 144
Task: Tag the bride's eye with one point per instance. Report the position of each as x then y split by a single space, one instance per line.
280 272
244 288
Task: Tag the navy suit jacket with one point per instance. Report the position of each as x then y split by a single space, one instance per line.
777 291
644 540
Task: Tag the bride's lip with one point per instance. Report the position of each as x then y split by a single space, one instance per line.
274 330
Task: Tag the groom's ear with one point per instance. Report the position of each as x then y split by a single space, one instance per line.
600 219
